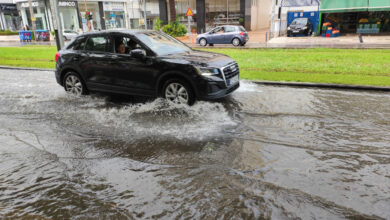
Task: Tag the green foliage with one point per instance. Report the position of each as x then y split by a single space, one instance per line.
158 24
52 33
8 32
175 29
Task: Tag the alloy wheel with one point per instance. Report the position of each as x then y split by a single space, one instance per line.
203 42
236 42
176 93
73 85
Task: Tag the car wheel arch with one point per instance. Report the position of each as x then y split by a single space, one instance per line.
171 75
67 70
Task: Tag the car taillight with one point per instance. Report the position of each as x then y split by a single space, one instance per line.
242 33
57 56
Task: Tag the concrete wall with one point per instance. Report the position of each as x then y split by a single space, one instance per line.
261 14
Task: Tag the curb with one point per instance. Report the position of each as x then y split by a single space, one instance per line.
25 68
271 83
323 85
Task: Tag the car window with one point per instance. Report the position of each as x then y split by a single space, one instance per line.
300 21
77 44
97 43
215 30
242 29
162 44
125 42
230 29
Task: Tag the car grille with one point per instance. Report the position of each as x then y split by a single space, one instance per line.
231 70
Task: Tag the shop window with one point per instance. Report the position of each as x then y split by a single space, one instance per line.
96 44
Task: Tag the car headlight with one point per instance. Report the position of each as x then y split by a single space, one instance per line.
289 28
207 72
304 28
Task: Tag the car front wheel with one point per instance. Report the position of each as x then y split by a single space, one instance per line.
203 42
236 42
74 85
179 92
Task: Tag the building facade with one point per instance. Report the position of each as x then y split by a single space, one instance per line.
9 16
252 14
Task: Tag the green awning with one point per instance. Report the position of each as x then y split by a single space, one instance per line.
331 6
379 5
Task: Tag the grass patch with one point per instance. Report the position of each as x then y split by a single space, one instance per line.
28 56
320 65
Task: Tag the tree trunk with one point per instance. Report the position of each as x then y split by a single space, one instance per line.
172 10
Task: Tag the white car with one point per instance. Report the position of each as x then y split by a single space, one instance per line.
69 34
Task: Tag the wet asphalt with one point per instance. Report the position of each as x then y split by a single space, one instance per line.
263 152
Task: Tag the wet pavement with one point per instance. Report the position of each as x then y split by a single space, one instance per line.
263 152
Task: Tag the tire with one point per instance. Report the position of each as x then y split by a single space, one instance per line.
178 91
211 45
243 44
203 42
73 84
236 42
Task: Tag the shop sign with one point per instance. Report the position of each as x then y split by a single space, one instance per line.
7 7
66 4
27 5
113 6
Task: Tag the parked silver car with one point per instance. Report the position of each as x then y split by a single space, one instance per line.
227 34
69 34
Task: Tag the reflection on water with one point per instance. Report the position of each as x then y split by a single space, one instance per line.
264 152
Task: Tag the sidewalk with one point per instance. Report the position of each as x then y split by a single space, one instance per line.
254 37
257 39
343 40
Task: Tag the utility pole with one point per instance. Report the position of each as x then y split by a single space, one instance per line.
145 22
57 25
32 15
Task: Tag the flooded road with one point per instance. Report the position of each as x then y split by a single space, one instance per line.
264 152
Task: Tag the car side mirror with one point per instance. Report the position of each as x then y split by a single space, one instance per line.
138 53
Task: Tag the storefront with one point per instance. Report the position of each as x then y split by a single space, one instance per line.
9 17
358 16
93 8
114 14
208 14
39 14
68 14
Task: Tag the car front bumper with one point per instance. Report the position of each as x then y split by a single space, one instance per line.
301 31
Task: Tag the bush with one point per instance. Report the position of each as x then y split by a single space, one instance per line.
8 32
175 29
157 24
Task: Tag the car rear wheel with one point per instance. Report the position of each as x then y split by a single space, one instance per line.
236 42
203 42
178 92
74 85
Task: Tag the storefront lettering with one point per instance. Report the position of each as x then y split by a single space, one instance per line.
26 4
5 7
66 4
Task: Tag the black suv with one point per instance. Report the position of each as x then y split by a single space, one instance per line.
144 63
300 26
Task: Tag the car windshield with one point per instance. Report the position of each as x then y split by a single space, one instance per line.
300 21
162 44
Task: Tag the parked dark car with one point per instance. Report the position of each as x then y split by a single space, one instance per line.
300 26
144 63
226 34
